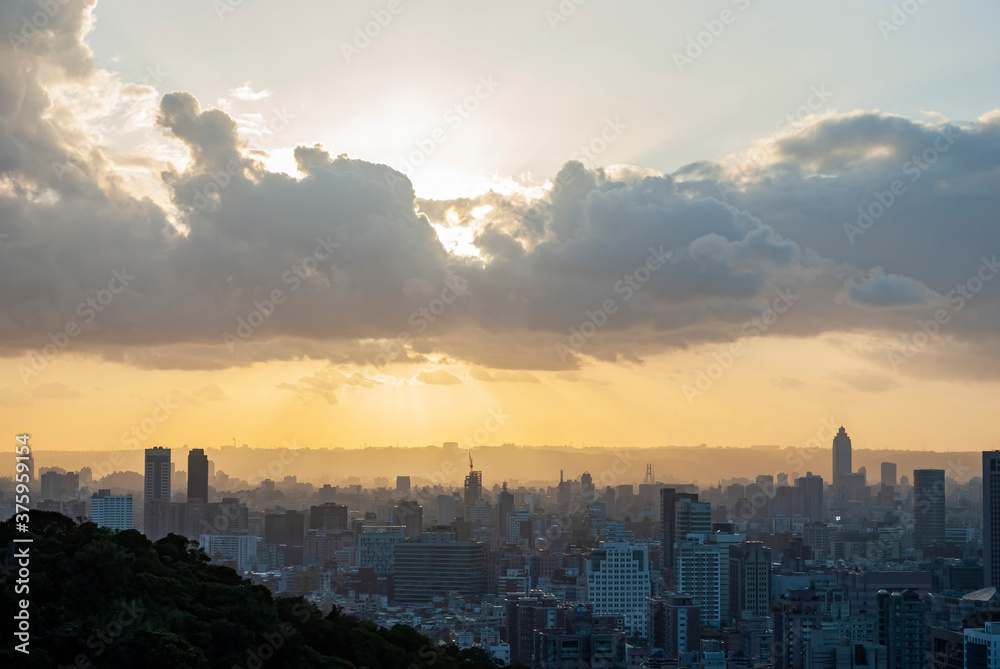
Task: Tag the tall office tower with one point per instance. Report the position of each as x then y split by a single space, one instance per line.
197 476
446 509
410 515
473 485
749 580
691 517
564 493
505 507
991 519
702 571
156 497
157 474
285 533
111 511
618 583
889 473
842 466
526 615
403 485
683 622
587 486
782 478
928 507
328 516
796 615
811 494
901 628
669 497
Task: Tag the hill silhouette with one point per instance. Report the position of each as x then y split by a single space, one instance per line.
115 599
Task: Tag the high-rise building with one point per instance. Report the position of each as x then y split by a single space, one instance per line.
377 547
796 615
889 473
410 515
505 507
527 615
991 519
197 476
810 492
473 485
901 628
423 570
156 497
618 583
675 625
842 465
285 532
403 485
111 511
587 486
749 580
702 571
446 509
328 516
157 474
928 508
669 497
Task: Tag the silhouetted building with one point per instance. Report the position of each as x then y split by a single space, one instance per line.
900 628
991 519
473 485
749 580
403 485
842 464
156 498
928 508
810 489
410 515
197 475
889 474
329 516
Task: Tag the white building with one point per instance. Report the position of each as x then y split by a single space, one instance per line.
982 646
377 546
702 571
618 583
238 548
111 511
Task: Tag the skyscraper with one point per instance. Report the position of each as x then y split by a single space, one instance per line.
810 496
505 507
889 473
156 500
901 628
928 507
991 518
197 476
842 465
473 485
669 497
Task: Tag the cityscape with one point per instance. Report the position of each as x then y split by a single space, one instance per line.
542 334
866 570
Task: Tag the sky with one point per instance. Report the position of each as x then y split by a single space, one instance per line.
571 222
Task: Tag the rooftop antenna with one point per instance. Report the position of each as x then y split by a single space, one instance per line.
470 461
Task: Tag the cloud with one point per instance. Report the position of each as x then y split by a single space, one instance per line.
246 92
881 290
437 377
867 381
680 259
325 384
501 376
